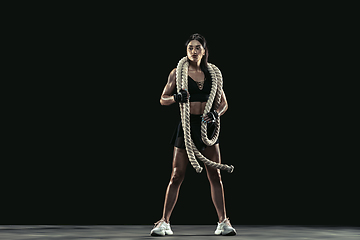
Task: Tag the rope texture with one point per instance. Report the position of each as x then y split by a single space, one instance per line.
215 95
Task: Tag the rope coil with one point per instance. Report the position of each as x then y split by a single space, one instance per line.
215 95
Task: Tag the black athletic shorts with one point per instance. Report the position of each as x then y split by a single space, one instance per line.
177 139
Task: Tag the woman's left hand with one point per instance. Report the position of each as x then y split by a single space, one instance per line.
211 116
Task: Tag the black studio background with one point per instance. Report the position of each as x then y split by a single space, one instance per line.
107 158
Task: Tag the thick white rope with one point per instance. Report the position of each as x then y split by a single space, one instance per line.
215 95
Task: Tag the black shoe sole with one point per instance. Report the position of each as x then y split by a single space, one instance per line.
157 235
232 233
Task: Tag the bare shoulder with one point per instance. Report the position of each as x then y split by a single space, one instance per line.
173 72
172 76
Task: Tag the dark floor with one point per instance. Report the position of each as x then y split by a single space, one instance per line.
112 232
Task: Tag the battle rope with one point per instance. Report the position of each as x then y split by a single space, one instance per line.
215 95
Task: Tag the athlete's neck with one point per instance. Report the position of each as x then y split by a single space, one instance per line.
195 66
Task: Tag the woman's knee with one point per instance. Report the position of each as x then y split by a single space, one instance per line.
177 176
179 166
214 175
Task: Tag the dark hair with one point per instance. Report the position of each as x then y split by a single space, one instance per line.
202 40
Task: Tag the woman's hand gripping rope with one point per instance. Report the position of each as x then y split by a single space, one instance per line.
182 96
211 116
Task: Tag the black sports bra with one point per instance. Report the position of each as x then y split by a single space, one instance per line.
197 95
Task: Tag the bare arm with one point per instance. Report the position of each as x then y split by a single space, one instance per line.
223 107
167 97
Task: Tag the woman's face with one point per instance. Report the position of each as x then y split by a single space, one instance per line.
195 51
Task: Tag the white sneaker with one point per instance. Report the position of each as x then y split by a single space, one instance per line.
224 228
161 228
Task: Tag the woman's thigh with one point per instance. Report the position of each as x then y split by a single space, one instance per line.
180 160
212 153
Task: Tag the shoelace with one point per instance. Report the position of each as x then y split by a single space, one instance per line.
158 222
227 220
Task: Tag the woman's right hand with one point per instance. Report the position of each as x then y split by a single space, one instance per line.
181 96
167 96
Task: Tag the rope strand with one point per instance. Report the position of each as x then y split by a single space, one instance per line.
215 95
